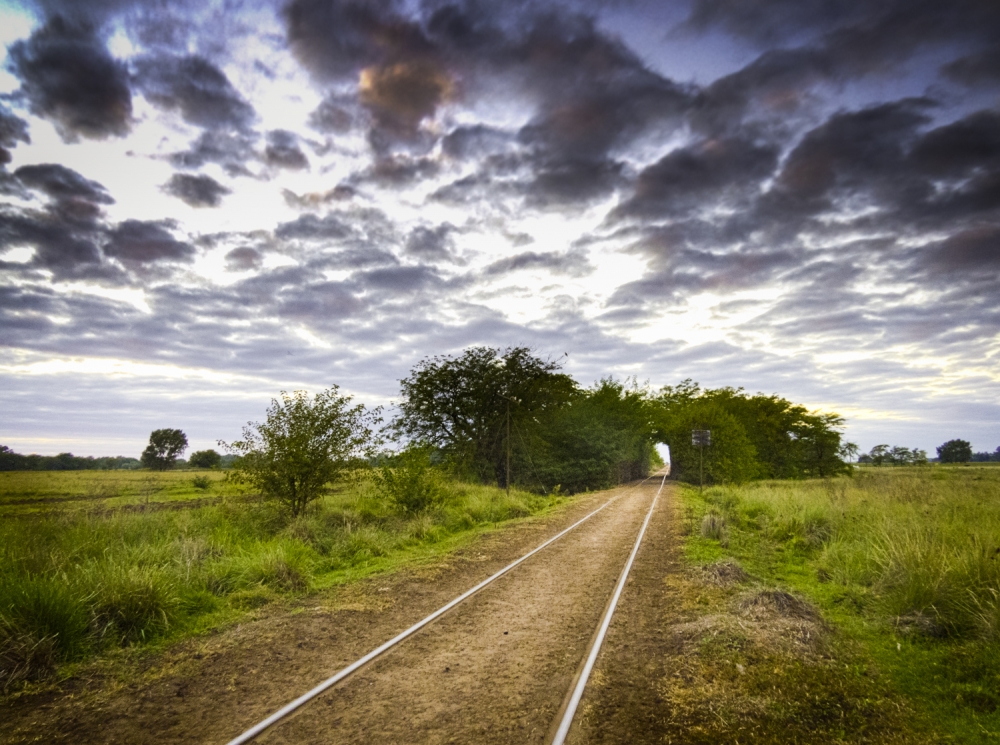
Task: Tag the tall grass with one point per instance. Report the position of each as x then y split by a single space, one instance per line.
924 543
75 583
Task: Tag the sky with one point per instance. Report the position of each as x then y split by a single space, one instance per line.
205 203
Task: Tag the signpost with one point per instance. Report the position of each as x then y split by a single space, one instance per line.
701 438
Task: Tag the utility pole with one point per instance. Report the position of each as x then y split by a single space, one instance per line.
508 447
700 438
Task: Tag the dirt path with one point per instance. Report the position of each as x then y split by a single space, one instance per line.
494 670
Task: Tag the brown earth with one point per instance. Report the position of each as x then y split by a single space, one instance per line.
495 669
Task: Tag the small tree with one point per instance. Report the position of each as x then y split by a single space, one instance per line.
303 446
205 459
955 451
164 447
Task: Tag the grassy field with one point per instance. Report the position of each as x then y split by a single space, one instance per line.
25 492
92 562
902 568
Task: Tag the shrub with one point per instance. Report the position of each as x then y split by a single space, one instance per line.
410 482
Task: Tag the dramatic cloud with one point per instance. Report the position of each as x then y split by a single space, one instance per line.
136 242
197 191
799 196
283 150
68 76
196 88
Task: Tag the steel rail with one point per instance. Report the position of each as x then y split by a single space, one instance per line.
574 701
305 698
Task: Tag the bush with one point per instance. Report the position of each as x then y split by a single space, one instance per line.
409 481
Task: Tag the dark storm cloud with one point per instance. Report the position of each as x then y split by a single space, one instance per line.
283 150
196 88
60 182
432 243
869 37
313 228
138 242
65 248
332 115
13 129
68 77
975 69
858 151
708 174
572 263
197 191
232 151
976 250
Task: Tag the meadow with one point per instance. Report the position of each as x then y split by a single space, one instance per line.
93 562
903 562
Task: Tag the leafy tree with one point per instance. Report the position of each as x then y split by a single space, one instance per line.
955 451
471 406
603 436
787 440
304 445
205 459
164 447
731 458
819 449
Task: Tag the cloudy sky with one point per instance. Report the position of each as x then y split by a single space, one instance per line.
203 203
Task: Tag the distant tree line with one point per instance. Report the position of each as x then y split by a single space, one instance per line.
985 457
11 461
885 455
953 451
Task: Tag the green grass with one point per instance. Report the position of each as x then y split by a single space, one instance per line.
904 562
75 583
30 492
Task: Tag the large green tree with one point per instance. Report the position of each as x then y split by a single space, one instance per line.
472 406
603 436
304 445
165 445
955 451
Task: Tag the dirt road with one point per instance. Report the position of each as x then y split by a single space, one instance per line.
495 669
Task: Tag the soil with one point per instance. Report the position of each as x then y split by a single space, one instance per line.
495 669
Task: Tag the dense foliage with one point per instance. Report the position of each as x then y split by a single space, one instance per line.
468 406
205 459
165 445
756 436
955 451
11 461
491 412
303 446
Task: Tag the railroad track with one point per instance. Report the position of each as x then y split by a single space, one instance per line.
563 721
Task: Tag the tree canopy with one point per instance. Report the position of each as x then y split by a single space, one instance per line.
165 445
955 451
303 446
205 459
753 436
467 404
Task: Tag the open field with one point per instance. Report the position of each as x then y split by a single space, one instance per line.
90 567
30 492
895 571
